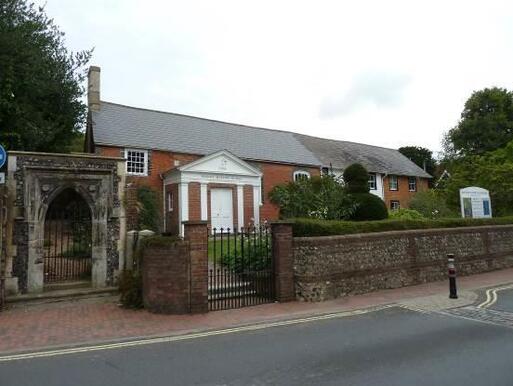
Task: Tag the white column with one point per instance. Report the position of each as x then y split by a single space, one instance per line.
256 204
240 206
204 202
183 204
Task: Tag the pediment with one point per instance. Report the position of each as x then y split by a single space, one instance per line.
221 162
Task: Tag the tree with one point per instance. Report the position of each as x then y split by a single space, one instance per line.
486 123
420 156
40 81
492 171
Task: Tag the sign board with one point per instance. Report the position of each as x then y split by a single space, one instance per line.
2 178
475 203
3 156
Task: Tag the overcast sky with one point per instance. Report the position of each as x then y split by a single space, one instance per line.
388 73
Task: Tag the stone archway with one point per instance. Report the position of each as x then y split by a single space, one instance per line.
36 180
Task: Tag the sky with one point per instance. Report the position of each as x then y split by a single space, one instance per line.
386 73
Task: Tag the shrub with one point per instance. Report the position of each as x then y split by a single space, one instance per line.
319 197
313 227
356 179
149 213
130 289
368 207
431 204
405 214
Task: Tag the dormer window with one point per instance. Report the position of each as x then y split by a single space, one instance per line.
301 175
136 162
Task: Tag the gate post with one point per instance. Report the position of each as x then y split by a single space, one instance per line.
196 233
283 255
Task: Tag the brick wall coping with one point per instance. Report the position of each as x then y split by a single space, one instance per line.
195 222
400 233
68 155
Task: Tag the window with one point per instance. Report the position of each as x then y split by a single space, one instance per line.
393 183
301 175
412 184
325 171
136 162
372 181
394 205
170 201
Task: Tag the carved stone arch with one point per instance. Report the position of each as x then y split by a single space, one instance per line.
48 199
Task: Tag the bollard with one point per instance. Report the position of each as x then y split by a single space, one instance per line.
453 293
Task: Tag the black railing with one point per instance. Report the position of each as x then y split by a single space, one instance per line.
67 246
241 269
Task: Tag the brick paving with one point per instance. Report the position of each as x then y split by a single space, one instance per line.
88 321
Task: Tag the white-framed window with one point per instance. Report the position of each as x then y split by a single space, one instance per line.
136 162
395 205
170 201
412 184
372 182
301 175
393 183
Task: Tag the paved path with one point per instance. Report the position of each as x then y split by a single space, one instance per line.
29 328
393 346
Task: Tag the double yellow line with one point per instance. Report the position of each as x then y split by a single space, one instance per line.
491 296
148 341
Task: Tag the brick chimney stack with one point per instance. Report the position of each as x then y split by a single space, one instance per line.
93 88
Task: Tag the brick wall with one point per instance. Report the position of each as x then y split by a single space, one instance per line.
276 174
335 266
403 195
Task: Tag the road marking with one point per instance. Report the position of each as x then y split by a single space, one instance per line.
143 342
491 296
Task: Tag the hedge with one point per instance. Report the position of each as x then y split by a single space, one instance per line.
304 227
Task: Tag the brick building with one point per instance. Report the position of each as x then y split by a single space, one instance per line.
222 172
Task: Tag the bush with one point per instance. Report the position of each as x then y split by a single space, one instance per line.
405 214
130 289
304 227
149 213
318 197
431 204
368 207
356 179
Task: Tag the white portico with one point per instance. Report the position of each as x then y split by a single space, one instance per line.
219 188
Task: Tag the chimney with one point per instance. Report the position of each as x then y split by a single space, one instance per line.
93 88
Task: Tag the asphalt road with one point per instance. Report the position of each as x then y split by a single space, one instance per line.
389 347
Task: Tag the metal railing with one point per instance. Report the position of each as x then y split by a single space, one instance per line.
240 268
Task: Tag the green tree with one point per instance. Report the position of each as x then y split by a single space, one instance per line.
492 171
420 156
40 81
486 123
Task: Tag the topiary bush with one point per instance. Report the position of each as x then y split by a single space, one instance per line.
368 207
356 179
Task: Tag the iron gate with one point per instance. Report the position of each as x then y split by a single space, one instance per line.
241 268
67 244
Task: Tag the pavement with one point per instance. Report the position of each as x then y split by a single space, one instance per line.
26 328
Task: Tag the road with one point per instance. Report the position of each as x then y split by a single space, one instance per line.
393 346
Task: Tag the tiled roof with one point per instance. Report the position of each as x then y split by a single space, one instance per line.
126 126
340 154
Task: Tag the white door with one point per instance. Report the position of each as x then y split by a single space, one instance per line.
221 209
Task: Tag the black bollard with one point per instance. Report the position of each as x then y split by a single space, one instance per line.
453 292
